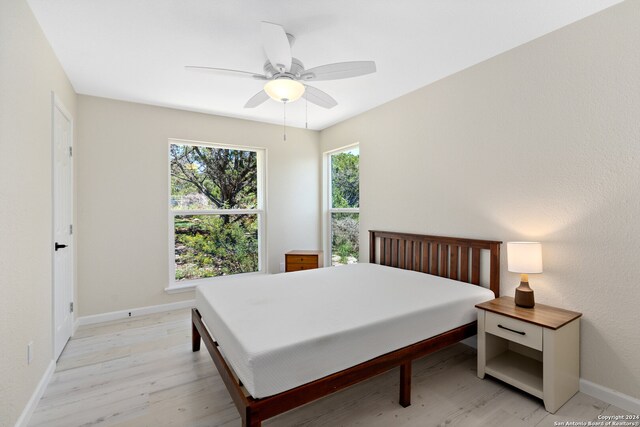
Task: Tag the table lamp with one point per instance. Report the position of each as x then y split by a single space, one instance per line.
524 258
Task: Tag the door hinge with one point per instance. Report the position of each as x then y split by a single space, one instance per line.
70 228
71 307
70 151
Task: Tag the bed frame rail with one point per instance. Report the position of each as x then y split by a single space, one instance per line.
451 257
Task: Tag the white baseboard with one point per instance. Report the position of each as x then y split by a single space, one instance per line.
140 311
608 395
37 394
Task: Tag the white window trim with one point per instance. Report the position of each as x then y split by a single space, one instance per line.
326 202
188 285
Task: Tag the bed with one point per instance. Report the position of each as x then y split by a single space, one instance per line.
284 340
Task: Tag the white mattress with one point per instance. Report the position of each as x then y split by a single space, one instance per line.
284 330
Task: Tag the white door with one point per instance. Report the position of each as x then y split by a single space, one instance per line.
62 227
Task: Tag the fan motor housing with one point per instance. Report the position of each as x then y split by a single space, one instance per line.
297 68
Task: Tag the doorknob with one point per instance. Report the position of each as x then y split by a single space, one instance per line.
59 246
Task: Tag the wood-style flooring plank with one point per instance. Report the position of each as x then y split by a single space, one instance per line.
141 372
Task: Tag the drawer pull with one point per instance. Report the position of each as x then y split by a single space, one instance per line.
512 330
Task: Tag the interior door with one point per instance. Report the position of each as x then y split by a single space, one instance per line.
62 227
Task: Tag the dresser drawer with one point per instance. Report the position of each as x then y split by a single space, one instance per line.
524 333
292 266
302 259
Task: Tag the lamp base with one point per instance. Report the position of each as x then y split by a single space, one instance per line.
524 296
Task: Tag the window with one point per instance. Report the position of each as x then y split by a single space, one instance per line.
343 175
215 210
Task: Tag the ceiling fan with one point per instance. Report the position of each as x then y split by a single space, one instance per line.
285 76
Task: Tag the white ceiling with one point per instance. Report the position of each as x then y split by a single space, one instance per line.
136 50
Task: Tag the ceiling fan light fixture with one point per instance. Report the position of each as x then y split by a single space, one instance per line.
284 90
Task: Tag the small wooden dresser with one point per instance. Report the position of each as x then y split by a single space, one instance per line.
303 260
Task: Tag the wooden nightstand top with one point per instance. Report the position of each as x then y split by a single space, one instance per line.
541 315
304 252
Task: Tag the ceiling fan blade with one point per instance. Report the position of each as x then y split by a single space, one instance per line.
256 99
276 46
339 70
227 72
319 97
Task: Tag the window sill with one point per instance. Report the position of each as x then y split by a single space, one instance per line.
176 288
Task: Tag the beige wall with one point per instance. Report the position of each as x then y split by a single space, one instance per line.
29 72
121 154
539 143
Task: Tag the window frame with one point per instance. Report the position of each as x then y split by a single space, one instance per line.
260 210
328 200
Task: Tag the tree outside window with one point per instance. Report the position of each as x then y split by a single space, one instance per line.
344 205
215 208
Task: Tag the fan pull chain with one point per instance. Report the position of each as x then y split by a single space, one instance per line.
306 113
284 121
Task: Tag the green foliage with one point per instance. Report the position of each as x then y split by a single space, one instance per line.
345 193
345 180
214 178
215 245
344 237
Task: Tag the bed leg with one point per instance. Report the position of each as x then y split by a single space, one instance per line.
195 335
251 420
405 384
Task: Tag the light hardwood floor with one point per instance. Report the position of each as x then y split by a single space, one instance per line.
141 372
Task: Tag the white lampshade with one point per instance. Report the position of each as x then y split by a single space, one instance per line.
524 257
284 90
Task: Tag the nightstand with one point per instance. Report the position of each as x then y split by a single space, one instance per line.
534 349
303 260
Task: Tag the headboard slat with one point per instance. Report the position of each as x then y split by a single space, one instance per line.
494 268
394 252
434 258
444 260
387 251
453 263
475 266
464 264
425 257
416 255
437 255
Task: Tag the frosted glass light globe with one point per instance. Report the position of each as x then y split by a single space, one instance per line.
284 90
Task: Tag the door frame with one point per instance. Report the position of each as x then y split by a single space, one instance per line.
56 102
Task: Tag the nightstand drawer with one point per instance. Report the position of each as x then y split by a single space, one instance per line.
524 333
302 259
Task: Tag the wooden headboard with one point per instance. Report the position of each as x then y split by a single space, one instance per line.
451 257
